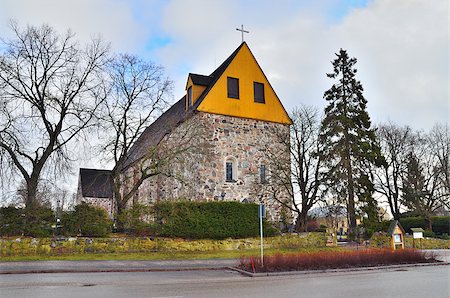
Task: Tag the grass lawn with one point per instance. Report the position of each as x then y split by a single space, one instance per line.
179 255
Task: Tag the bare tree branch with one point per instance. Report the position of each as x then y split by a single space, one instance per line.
49 95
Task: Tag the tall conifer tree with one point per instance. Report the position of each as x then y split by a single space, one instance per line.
349 144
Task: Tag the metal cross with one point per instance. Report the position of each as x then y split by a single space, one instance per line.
242 31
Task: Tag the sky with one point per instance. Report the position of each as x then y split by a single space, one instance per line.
401 45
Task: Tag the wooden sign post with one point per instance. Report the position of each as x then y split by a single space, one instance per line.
397 234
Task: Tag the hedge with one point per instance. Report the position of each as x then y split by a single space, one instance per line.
35 222
439 224
86 220
213 220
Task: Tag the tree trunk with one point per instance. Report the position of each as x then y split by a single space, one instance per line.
119 216
428 222
351 199
30 199
301 224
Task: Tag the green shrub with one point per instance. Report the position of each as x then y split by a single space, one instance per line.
34 222
38 222
11 221
429 234
380 239
413 222
86 220
215 220
137 220
444 236
439 224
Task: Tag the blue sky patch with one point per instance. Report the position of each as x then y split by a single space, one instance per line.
157 42
340 9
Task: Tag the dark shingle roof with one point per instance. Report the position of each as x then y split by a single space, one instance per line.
96 183
154 133
176 114
393 225
201 80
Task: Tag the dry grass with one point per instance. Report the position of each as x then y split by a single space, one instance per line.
335 260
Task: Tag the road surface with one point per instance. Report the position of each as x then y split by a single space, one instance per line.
430 281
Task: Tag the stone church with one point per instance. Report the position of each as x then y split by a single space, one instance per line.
231 116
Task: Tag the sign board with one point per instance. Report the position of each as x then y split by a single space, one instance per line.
417 235
261 211
397 238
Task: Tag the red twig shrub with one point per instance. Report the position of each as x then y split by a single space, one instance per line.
334 260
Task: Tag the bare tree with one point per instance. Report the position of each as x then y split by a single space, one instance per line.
396 143
302 179
171 158
138 93
439 144
49 92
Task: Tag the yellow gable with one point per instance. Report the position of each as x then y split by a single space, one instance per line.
244 68
197 90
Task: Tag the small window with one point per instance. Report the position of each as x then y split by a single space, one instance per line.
262 174
189 96
229 171
233 87
258 91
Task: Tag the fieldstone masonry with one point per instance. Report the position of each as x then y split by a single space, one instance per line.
244 142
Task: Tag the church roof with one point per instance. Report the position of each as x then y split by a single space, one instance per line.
96 183
154 133
201 80
176 114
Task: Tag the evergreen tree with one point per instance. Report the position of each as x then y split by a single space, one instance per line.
415 195
349 144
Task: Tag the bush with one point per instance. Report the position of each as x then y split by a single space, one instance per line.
380 239
429 234
312 225
332 260
215 220
34 222
11 221
86 220
439 224
444 236
136 220
413 222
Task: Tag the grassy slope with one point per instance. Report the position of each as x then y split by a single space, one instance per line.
226 254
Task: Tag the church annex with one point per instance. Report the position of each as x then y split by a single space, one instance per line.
231 116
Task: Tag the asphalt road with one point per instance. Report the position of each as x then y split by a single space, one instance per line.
430 281
109 266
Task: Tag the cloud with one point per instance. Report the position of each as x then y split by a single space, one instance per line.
401 47
403 52
118 22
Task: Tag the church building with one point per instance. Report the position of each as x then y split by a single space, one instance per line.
234 119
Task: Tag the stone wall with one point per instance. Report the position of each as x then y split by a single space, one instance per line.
201 175
106 204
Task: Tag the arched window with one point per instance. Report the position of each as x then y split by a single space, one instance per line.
230 169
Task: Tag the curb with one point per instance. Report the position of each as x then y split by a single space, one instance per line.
112 270
356 269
